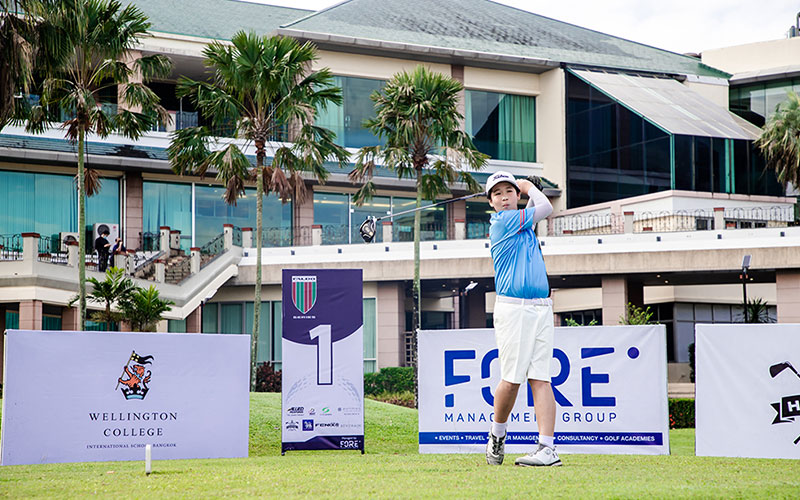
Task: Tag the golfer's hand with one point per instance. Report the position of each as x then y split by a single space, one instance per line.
536 181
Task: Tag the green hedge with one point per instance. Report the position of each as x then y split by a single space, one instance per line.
681 413
390 379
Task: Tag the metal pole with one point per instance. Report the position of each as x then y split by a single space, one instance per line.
744 294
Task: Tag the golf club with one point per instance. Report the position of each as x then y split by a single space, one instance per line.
774 370
367 228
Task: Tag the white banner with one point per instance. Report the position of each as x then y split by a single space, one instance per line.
610 384
100 396
323 360
747 390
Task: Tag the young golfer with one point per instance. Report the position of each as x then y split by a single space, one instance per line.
523 315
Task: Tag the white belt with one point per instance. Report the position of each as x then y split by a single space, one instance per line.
524 302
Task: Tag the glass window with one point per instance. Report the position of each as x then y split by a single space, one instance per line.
684 162
377 207
48 204
176 326
12 320
277 333
478 214
50 322
433 222
210 324
332 212
347 119
168 204
502 126
741 167
211 212
231 318
719 179
370 337
264 348
702 163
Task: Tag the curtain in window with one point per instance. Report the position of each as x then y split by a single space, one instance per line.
12 320
165 204
176 326
517 128
332 117
51 322
231 318
210 318
370 337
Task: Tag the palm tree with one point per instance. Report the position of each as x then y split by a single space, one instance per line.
144 309
95 36
418 116
780 141
115 289
28 43
261 87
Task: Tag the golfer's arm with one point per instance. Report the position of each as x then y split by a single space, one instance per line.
536 199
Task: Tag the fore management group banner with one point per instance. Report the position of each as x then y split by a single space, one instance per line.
747 399
610 385
99 396
323 360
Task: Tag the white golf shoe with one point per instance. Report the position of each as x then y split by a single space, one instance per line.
495 450
543 456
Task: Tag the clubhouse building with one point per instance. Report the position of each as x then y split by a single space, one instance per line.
647 156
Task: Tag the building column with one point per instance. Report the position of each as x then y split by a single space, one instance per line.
476 308
193 321
617 292
129 58
134 219
391 324
457 73
787 284
69 318
30 315
303 220
456 212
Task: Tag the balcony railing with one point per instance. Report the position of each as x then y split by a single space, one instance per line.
49 251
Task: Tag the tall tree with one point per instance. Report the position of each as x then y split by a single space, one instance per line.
95 36
261 87
417 115
780 141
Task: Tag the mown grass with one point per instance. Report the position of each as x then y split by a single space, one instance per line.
392 468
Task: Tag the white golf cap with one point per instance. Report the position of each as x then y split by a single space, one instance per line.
498 177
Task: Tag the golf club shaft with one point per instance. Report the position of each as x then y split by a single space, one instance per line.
473 195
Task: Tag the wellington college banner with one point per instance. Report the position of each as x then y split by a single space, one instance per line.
747 390
610 385
323 360
99 396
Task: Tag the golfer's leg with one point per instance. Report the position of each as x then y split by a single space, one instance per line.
544 404
504 397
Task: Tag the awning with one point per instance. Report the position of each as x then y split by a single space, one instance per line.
670 105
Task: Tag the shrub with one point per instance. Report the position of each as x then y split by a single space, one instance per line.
691 362
389 379
267 378
405 398
681 413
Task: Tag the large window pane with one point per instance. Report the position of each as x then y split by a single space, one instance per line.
719 182
684 163
478 215
210 318
741 167
370 336
433 222
702 162
167 204
263 351
502 125
231 318
331 211
211 212
377 207
347 119
48 203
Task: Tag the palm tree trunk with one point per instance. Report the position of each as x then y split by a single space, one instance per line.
81 234
257 300
416 292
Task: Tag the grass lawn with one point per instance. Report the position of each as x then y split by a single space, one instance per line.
392 468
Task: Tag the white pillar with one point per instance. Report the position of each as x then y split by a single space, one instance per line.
316 234
387 231
30 246
719 218
460 229
161 270
163 238
72 253
247 237
194 264
227 230
174 240
628 222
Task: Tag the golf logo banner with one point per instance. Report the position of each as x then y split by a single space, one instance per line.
323 360
759 361
609 382
100 396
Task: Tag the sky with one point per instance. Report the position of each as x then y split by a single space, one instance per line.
683 26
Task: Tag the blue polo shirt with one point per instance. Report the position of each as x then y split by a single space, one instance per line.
519 269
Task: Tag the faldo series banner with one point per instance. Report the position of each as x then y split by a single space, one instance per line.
100 396
323 360
747 390
609 382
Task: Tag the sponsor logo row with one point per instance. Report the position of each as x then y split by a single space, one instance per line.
310 425
300 411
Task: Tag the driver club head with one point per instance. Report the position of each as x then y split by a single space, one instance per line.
367 229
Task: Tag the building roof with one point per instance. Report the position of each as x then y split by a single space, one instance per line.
670 105
469 27
217 19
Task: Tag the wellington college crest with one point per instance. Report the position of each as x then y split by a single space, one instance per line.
135 377
304 292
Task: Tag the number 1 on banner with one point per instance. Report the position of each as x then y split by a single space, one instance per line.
324 354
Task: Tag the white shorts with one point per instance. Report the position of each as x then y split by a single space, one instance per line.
524 333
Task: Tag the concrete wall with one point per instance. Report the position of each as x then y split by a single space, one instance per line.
391 321
551 126
362 66
754 56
